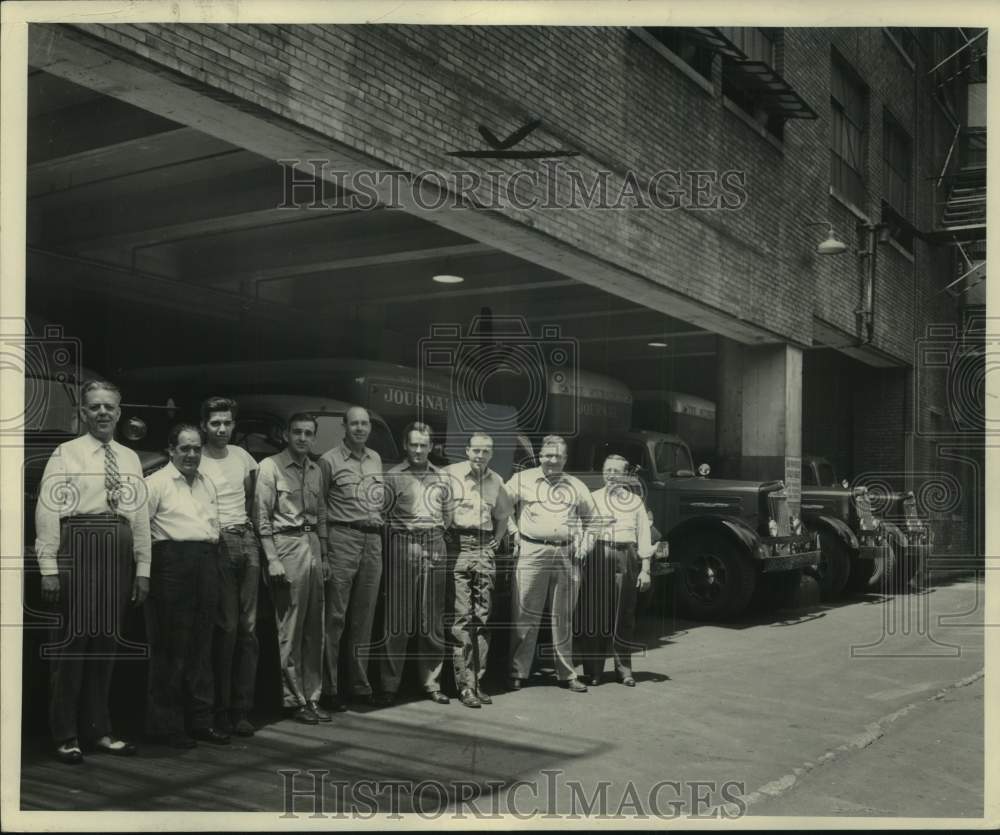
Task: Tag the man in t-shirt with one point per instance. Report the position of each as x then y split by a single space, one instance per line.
233 470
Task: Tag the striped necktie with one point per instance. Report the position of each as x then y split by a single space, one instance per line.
112 478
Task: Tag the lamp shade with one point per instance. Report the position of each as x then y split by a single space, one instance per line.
831 246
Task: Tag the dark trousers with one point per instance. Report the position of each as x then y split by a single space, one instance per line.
605 612
180 618
235 642
415 584
95 554
474 573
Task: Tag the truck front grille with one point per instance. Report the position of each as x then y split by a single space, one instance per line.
777 504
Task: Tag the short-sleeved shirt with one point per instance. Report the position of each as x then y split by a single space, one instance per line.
180 511
355 485
416 499
556 508
622 519
229 477
289 494
476 501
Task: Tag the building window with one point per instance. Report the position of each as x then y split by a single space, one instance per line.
759 46
849 110
897 165
690 50
756 44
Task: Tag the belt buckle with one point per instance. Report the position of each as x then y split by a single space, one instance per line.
308 528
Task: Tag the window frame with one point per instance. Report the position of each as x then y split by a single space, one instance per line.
849 122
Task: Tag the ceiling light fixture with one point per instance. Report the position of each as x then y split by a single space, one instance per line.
831 246
448 279
657 344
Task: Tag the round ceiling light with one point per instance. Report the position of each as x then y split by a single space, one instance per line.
448 279
657 344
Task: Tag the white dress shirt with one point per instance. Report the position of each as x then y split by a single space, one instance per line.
621 518
73 484
182 512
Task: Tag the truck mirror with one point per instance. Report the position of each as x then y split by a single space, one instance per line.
135 429
845 484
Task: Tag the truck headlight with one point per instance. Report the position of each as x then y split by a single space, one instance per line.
772 527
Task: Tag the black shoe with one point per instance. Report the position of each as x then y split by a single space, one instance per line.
241 725
69 752
114 747
321 714
574 685
516 683
485 697
304 715
628 681
469 699
383 699
181 740
222 723
210 735
335 704
593 681
438 697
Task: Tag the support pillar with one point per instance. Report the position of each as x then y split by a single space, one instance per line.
759 415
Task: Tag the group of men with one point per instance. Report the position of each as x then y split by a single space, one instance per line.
195 531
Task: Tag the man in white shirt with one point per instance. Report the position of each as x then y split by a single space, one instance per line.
553 510
183 596
91 524
232 470
616 570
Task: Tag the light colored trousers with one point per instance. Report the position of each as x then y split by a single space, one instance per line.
355 559
298 610
545 577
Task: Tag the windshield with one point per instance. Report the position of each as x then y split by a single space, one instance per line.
49 406
827 477
671 456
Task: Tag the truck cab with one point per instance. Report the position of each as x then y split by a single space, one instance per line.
871 537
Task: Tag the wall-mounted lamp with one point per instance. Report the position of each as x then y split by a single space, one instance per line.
830 246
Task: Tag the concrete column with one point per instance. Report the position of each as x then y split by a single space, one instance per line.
759 415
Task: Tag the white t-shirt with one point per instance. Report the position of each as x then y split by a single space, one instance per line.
228 475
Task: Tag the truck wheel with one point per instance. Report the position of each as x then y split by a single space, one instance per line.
834 566
715 579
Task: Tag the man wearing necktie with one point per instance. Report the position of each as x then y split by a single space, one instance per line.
92 525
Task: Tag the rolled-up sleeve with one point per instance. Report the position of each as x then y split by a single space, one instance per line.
141 539
643 534
264 498
47 515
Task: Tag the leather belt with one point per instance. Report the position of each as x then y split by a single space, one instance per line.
237 528
469 532
356 526
299 529
532 539
417 532
610 543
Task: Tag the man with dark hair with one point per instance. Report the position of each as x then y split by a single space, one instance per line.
416 512
480 508
92 524
554 510
232 471
183 595
291 521
352 478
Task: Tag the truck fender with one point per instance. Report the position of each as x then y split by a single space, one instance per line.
735 530
838 527
894 534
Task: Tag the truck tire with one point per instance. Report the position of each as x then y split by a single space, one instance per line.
715 579
834 566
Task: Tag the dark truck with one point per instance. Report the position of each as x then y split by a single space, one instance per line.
873 539
728 539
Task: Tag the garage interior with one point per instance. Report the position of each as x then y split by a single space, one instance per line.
156 244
